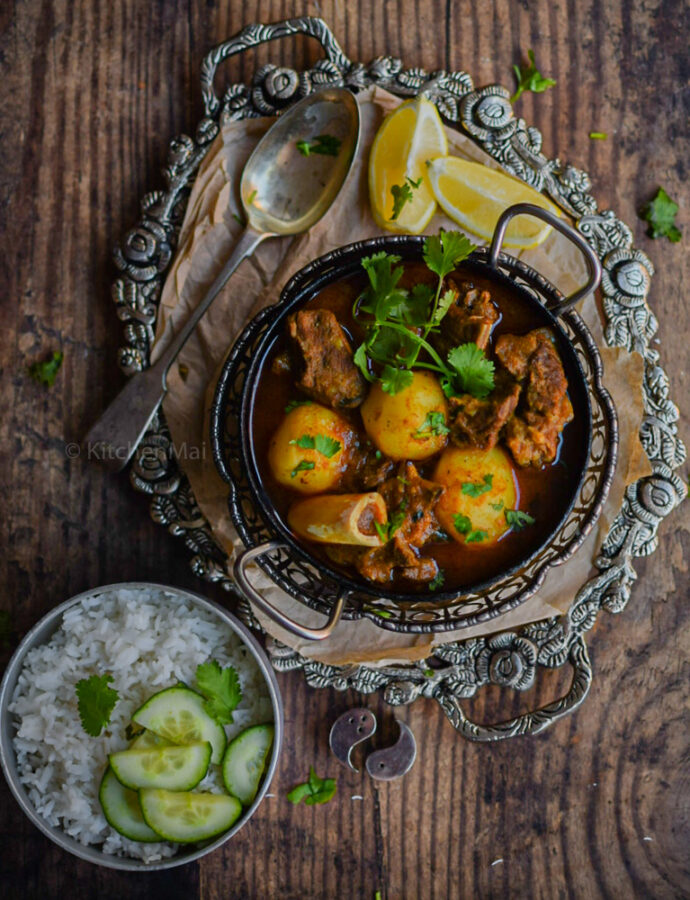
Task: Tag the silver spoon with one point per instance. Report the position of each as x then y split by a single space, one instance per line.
284 190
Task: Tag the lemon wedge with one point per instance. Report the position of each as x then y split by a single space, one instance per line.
407 138
474 196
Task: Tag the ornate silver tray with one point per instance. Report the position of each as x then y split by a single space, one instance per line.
457 669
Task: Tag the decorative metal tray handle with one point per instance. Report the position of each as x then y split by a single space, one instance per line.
457 670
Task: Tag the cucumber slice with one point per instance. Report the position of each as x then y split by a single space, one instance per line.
186 817
146 740
245 761
122 810
177 714
172 768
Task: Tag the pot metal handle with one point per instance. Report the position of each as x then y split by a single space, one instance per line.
311 634
529 209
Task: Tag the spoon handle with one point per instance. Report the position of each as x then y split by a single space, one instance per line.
115 436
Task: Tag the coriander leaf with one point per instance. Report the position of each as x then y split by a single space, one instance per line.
391 345
323 144
96 702
402 194
306 442
462 523
46 372
299 793
381 613
434 424
477 488
395 380
445 302
476 537
396 520
314 790
304 147
326 446
517 519
303 466
473 373
497 506
660 213
415 309
444 251
293 404
222 690
381 530
361 360
530 79
597 135
251 198
437 582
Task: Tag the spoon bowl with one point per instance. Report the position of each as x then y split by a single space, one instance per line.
300 164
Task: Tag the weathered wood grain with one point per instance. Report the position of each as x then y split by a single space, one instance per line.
92 92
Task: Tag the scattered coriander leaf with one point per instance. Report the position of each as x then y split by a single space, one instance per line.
222 690
437 582
445 251
96 702
660 213
429 673
476 536
381 613
517 519
323 144
293 404
530 79
402 194
473 373
326 446
45 372
395 380
598 135
378 454
302 466
251 198
477 488
381 530
497 506
5 628
396 520
462 523
434 424
314 790
445 301
306 442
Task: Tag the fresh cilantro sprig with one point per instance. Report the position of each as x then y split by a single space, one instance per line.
322 443
660 214
95 701
402 194
517 519
437 581
530 78
477 488
322 144
386 530
304 465
398 323
314 790
433 425
464 526
222 690
45 372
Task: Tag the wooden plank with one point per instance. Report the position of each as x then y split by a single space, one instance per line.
595 807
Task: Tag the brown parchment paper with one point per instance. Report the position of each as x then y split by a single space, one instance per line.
208 234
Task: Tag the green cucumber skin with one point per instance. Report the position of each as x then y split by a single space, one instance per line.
198 767
255 740
146 796
211 730
111 786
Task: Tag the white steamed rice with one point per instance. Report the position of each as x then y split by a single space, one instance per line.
147 640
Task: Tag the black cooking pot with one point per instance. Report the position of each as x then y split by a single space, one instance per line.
290 564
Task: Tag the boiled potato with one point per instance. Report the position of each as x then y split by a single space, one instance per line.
406 425
480 486
299 451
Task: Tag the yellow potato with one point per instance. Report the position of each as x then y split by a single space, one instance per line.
475 470
398 424
304 468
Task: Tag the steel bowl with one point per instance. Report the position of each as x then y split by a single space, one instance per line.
40 634
307 577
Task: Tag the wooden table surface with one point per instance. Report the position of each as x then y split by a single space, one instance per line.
93 90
